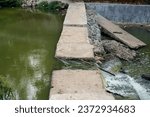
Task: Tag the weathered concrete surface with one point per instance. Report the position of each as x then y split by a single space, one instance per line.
76 15
74 42
82 96
74 51
119 34
72 34
73 84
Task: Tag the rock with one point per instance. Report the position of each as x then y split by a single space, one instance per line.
29 3
94 32
146 76
118 49
93 28
98 58
123 71
99 49
98 62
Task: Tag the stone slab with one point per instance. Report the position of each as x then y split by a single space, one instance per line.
78 84
76 14
76 81
119 34
88 96
72 34
74 51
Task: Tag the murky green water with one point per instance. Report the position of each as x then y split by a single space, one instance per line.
27 47
141 64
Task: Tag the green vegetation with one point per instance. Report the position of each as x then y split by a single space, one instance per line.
5 89
10 3
52 6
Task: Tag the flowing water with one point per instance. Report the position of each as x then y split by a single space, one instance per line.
131 85
27 46
141 64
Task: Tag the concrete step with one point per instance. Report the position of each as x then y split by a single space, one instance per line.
76 14
86 96
79 84
74 51
119 34
72 34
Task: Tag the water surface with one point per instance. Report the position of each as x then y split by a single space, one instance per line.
141 64
27 46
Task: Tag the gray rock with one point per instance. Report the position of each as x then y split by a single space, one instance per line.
93 28
118 49
146 76
94 32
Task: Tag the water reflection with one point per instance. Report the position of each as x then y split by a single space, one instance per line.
27 48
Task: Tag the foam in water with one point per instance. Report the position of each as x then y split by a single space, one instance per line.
126 86
141 91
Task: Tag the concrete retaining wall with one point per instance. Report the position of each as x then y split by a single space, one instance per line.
123 13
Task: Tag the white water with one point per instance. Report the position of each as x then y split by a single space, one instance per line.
141 91
126 86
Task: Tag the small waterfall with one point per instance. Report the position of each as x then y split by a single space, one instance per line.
141 91
124 85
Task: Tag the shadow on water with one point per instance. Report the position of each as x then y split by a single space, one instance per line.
27 47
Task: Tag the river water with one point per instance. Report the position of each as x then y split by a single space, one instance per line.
27 47
141 64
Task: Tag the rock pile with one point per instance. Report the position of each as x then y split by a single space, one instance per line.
29 3
118 49
94 32
103 46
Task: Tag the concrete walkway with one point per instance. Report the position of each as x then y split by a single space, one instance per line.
119 34
76 15
78 84
74 42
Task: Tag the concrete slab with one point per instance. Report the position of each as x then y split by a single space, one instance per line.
74 51
78 84
76 81
72 34
119 34
76 14
88 96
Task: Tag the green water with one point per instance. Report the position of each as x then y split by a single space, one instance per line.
141 64
27 47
